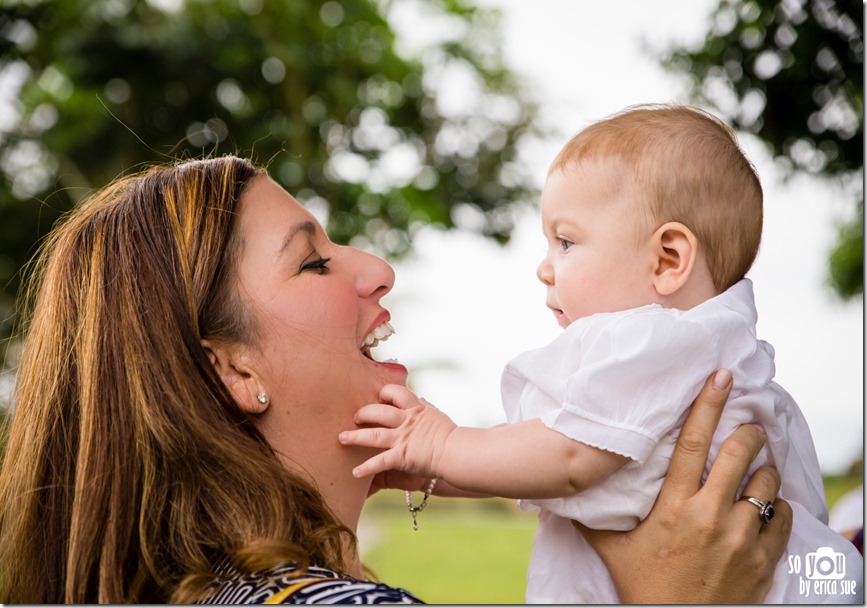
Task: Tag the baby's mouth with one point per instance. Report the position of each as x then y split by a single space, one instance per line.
372 340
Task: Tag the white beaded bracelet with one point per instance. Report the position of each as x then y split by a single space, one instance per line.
415 510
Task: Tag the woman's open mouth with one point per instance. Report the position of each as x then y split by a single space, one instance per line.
372 340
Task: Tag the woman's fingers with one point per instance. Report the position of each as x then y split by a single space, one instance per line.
699 544
770 545
764 485
762 543
775 533
693 444
736 454
606 543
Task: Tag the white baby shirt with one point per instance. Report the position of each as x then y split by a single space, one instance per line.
623 382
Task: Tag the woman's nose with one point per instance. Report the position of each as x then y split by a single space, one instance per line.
374 277
545 272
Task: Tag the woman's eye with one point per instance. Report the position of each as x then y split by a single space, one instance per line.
320 265
564 244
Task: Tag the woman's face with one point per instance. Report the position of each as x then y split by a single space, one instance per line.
314 305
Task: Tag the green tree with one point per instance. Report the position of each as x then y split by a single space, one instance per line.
317 90
792 73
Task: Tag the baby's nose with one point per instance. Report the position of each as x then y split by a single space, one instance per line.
545 273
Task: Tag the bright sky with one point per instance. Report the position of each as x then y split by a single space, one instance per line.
464 306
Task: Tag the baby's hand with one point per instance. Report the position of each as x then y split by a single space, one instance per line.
412 432
397 480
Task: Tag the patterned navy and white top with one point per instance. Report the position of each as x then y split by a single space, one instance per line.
288 584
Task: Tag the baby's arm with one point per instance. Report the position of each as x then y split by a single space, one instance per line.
398 480
523 460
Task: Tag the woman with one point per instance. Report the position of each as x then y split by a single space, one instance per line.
195 345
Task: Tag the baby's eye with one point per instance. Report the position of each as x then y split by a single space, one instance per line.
564 244
320 265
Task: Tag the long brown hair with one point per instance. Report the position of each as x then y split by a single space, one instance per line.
129 468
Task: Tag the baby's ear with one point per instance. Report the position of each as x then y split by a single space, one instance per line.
676 250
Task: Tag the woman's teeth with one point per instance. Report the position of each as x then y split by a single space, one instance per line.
380 334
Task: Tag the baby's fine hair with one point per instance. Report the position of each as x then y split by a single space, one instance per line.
691 170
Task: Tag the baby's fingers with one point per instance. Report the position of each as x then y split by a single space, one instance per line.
368 438
399 396
379 414
380 463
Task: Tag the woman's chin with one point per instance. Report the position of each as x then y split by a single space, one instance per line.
390 371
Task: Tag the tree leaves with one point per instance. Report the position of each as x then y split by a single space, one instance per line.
326 94
791 72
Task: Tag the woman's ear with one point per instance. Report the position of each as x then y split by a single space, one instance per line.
231 362
676 250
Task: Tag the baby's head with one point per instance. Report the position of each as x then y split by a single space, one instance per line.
662 205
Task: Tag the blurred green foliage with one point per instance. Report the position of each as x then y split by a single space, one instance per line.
347 113
792 73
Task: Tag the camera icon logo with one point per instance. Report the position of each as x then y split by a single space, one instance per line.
825 564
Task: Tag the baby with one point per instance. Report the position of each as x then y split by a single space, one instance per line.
653 217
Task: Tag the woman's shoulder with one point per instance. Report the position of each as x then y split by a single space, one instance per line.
289 584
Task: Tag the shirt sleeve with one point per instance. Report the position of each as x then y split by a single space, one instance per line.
639 374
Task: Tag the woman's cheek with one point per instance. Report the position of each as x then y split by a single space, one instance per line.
323 309
333 303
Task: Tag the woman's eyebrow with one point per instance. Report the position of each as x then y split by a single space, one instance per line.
307 227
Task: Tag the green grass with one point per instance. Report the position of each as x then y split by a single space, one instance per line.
465 551
836 486
471 553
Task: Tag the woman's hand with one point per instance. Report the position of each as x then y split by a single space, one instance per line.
699 544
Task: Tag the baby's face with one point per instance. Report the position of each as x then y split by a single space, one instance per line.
599 257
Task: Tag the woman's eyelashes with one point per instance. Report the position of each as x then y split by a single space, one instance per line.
319 265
